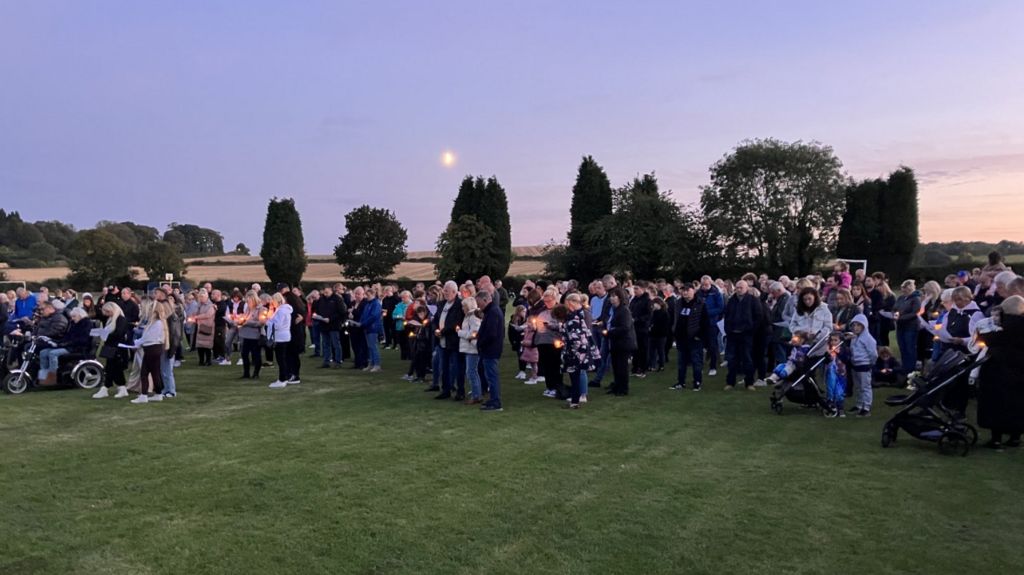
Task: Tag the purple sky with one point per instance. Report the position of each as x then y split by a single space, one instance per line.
199 112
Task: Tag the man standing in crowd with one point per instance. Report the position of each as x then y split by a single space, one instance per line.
220 327
446 324
330 309
779 300
714 305
356 336
489 343
599 309
692 328
742 316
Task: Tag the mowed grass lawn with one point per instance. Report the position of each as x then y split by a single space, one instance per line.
352 473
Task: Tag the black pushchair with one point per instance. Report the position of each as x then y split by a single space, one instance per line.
800 386
923 414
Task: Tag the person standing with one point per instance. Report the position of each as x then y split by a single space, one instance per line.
742 317
692 329
297 345
579 352
117 331
599 311
371 322
547 330
489 345
906 314
205 327
446 322
153 345
468 332
279 333
249 331
329 311
388 304
1001 379
714 305
641 310
235 310
220 326
621 341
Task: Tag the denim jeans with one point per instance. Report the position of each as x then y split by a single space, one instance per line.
473 374
437 376
316 334
372 349
48 360
491 375
453 366
606 357
330 346
167 373
907 340
690 354
577 380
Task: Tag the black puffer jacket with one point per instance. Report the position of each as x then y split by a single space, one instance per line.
1001 381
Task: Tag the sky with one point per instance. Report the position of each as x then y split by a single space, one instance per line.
201 111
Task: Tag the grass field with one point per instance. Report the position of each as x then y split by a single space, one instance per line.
348 473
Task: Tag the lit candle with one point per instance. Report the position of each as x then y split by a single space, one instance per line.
604 332
472 335
558 344
938 326
412 334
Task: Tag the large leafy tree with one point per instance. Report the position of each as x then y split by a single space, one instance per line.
648 233
776 205
194 240
373 245
283 250
97 257
132 234
591 201
465 250
160 258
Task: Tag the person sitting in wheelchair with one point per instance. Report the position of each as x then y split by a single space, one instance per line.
49 327
76 340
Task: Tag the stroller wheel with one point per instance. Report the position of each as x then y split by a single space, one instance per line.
954 443
776 407
969 432
888 435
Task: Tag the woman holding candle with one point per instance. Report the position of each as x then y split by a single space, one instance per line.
548 331
580 353
250 325
467 347
204 319
279 334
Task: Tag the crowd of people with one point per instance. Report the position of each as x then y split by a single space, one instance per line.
449 334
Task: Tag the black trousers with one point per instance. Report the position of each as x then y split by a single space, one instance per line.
620 371
151 356
403 343
640 355
295 349
218 340
251 357
281 356
114 371
205 356
549 364
389 331
420 363
346 345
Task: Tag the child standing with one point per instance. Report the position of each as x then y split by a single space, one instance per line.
863 353
835 374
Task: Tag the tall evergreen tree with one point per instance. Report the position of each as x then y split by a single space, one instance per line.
858 234
464 251
591 201
487 202
897 224
283 250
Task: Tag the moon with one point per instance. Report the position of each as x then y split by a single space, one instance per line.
448 158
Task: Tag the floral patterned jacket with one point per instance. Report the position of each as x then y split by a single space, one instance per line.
579 351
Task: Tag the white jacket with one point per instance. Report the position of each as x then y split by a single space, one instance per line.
817 324
279 326
467 343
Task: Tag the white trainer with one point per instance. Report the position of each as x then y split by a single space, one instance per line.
122 392
712 372
375 369
140 400
101 394
521 375
156 397
541 379
293 381
239 362
278 385
531 381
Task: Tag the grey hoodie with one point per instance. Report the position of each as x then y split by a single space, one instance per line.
863 348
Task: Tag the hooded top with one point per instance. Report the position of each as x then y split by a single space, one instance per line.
863 348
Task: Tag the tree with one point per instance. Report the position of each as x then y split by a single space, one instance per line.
776 204
97 257
897 224
160 258
241 250
486 201
648 234
373 245
133 235
880 224
283 250
465 250
591 201
194 240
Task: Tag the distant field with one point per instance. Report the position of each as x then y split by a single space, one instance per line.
321 268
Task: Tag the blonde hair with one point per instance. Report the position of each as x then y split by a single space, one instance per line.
278 299
469 304
112 311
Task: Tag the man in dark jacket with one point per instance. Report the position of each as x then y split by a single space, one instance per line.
640 309
447 322
779 299
692 328
489 343
742 317
330 312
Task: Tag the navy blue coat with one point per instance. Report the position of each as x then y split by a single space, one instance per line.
490 338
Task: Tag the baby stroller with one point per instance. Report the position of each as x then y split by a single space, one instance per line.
800 387
925 417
